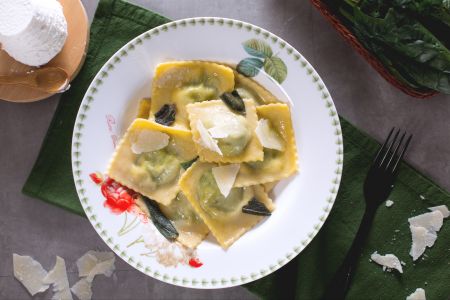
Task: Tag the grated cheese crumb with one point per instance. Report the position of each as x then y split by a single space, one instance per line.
389 203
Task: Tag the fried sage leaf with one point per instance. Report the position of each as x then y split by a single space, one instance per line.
164 226
254 207
185 165
234 101
166 115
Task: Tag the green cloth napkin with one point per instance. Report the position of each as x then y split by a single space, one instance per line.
115 23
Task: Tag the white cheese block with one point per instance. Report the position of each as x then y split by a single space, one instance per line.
206 139
58 278
30 273
389 261
432 221
82 289
442 208
267 137
225 177
419 294
149 140
32 31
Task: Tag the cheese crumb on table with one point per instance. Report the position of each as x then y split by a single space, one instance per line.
30 273
419 294
389 203
389 261
57 277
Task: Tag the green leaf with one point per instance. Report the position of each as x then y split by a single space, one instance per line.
250 66
276 68
185 165
257 48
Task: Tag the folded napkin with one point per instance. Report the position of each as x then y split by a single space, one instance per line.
115 23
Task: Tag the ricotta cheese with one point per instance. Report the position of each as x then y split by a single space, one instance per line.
32 31
30 273
225 177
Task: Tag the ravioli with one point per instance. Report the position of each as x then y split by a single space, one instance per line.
184 82
222 215
233 134
276 164
148 159
190 227
250 89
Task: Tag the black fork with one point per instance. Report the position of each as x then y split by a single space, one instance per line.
377 187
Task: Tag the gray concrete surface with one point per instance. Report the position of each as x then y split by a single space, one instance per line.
29 226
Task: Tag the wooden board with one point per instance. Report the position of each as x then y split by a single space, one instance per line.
70 58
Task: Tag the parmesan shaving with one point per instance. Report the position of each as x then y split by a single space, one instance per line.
206 139
424 230
389 203
30 273
82 289
389 261
225 177
267 137
58 278
432 221
419 294
95 263
149 140
220 132
442 208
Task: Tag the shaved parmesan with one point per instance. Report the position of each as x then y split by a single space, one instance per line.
94 263
57 277
421 238
220 132
30 273
442 208
225 177
206 140
389 203
432 221
419 294
268 138
82 289
389 261
149 140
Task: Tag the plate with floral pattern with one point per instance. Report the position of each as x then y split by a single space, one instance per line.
303 201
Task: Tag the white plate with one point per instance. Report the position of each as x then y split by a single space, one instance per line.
303 201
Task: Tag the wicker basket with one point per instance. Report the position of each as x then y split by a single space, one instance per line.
373 61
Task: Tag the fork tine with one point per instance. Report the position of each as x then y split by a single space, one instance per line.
395 152
389 148
383 147
394 169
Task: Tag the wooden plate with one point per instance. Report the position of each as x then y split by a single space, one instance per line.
70 58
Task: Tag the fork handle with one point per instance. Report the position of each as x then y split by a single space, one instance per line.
339 285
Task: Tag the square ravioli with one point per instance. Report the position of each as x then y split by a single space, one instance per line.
280 151
222 135
182 82
190 227
149 159
222 215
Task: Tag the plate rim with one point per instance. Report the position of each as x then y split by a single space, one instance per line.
303 63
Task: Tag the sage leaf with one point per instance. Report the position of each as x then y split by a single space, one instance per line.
250 66
276 68
185 165
257 48
255 207
164 226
